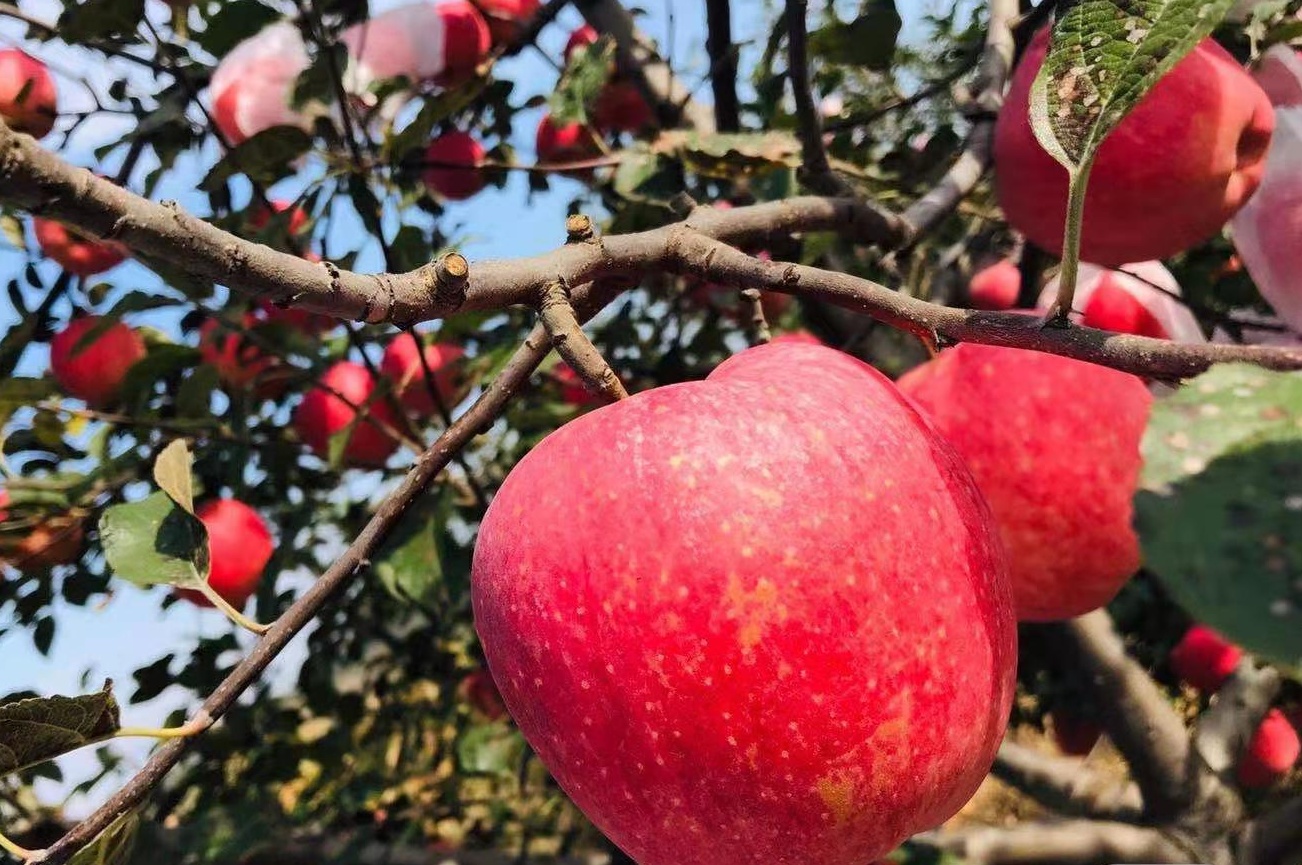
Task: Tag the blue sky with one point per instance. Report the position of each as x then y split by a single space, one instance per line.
114 638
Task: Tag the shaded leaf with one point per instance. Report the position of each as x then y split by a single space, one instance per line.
584 78
100 19
409 564
233 23
265 158
113 846
172 473
16 393
729 155
153 541
37 729
867 41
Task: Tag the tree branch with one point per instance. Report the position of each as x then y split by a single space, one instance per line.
1066 785
1069 842
723 64
1225 729
1275 838
814 171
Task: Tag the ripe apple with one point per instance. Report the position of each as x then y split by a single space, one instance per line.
1075 737
620 106
761 617
28 101
322 414
995 287
796 337
239 547
573 390
1140 298
1273 751
239 361
451 149
479 690
261 217
571 142
1208 120
1204 658
1054 445
402 366
75 253
507 18
253 85
467 41
94 372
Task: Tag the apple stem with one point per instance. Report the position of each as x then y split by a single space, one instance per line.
14 850
192 727
231 613
1077 180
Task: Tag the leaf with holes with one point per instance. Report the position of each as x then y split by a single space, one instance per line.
41 728
1220 505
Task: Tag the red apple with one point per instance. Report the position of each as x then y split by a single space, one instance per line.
239 361
322 414
1273 751
310 323
253 85
797 337
1279 72
75 253
1168 177
507 18
620 106
995 287
479 690
582 37
28 102
573 391
1142 298
1115 309
1204 658
57 540
774 623
571 142
1054 445
402 366
94 372
467 41
239 547
451 149
1075 737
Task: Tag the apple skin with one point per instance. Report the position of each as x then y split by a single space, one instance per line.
402 366
798 337
467 42
1279 72
565 143
322 414
93 373
35 111
252 87
79 256
455 148
573 391
239 363
762 617
1204 658
1273 751
506 18
1207 118
1115 309
995 287
1059 481
1073 736
239 547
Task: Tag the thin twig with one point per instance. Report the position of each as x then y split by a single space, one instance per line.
573 345
1067 842
723 64
814 171
1066 784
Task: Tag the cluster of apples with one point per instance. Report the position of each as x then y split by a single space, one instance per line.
1204 659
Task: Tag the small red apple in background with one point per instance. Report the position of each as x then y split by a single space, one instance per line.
451 149
479 690
56 540
570 142
79 255
506 18
467 41
1270 755
1058 477
1074 736
261 217
620 106
1207 118
402 366
94 372
1142 298
28 101
1204 658
995 287
240 361
774 624
1279 72
573 391
322 414
310 323
239 547
797 337
253 85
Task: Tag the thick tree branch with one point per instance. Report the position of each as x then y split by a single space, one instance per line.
814 171
638 60
1069 842
1066 785
1225 729
1275 838
723 64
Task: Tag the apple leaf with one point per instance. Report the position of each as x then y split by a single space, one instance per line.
582 81
41 728
728 155
265 158
15 393
113 846
489 749
867 41
155 541
1220 505
410 563
172 474
1104 56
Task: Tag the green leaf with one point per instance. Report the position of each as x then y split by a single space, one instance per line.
1104 57
172 474
409 564
489 749
1220 505
316 83
41 728
638 172
100 19
265 158
447 103
113 846
584 78
233 23
194 396
154 541
15 393
867 41
727 155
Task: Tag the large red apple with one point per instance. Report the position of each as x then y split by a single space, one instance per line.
239 547
403 367
443 154
27 96
1204 658
252 88
1273 751
76 254
1054 445
507 18
758 618
94 372
995 286
467 41
323 413
1168 177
